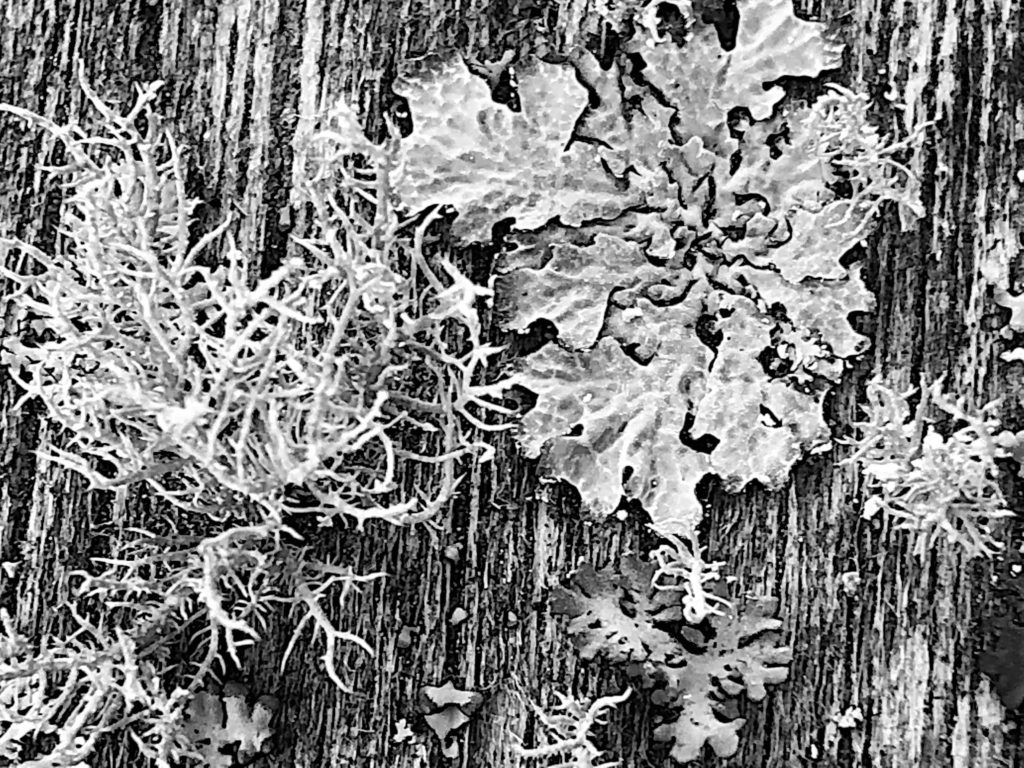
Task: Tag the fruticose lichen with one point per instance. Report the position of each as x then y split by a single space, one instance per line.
244 402
933 486
291 391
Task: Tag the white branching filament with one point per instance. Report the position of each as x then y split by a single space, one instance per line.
683 569
310 583
76 690
848 144
567 730
937 487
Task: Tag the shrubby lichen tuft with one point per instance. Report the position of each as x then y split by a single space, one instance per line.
216 388
244 402
936 487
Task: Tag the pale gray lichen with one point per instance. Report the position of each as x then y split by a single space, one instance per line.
936 487
566 731
622 616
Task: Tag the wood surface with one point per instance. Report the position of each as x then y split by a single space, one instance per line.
905 649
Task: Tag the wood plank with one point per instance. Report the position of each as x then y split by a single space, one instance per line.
239 75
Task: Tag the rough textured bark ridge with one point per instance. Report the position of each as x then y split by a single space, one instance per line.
242 74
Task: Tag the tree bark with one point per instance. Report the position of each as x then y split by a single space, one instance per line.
904 649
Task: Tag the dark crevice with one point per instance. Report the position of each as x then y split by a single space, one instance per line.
768 417
673 23
705 444
707 331
725 17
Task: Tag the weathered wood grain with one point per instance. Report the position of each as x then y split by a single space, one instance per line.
241 74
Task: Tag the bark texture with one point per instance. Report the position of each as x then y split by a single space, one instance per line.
240 72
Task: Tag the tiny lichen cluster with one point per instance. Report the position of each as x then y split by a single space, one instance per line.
851 145
691 668
566 732
681 568
937 487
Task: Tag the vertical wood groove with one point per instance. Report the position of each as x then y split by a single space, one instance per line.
243 76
